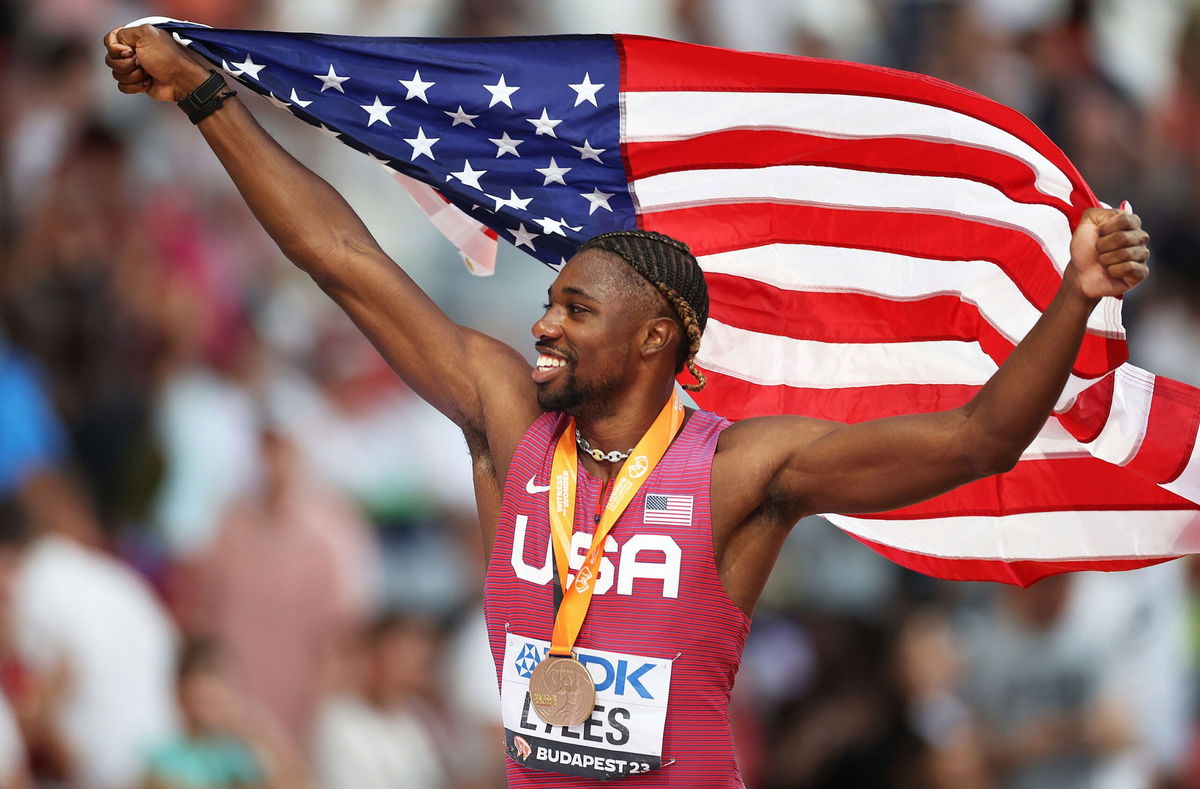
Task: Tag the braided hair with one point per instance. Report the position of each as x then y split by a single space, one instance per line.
669 266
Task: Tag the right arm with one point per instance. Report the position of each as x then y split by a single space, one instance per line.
481 384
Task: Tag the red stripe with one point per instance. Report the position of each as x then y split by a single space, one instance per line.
861 318
1170 431
1019 573
1087 417
1049 485
720 228
745 148
738 399
653 64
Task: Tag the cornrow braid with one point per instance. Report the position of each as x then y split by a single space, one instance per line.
669 265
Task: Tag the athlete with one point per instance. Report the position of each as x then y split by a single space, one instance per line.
625 534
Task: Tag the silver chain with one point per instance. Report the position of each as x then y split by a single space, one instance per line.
597 455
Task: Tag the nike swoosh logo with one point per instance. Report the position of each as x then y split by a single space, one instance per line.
533 490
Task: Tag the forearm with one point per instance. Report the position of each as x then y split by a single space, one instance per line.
312 224
1010 409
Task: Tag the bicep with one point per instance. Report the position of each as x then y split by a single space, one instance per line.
877 465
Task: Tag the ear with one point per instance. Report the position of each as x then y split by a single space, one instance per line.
658 335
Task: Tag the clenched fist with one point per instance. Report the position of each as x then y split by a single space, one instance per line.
147 60
1109 252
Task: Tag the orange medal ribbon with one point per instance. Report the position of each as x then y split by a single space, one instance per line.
577 596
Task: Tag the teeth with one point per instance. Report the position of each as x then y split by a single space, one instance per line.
546 362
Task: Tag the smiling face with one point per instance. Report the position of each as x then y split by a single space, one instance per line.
592 335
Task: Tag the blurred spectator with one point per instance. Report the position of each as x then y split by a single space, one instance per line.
225 742
95 652
1037 687
390 730
280 587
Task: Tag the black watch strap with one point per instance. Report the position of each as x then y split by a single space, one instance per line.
206 98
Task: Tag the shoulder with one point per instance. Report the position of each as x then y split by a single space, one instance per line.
764 438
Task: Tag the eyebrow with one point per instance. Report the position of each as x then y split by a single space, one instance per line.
573 291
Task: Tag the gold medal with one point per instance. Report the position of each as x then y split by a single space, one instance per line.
562 691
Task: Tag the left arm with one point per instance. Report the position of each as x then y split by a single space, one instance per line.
810 466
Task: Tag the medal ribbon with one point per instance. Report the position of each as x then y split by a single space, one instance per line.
577 597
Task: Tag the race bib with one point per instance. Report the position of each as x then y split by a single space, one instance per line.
622 737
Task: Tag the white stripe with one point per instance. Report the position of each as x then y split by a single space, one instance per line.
674 115
1038 535
1187 484
812 268
836 187
768 359
1128 416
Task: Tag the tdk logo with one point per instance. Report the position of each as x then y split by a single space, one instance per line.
622 676
527 661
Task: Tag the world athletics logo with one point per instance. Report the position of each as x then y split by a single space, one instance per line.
527 661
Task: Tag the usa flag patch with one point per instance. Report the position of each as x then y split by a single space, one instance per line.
668 510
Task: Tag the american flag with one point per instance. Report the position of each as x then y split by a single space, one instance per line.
875 243
667 510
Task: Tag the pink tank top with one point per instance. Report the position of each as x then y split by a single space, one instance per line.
662 603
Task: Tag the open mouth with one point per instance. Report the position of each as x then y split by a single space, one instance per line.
547 366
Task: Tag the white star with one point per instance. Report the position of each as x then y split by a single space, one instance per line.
519 203
328 132
505 145
550 226
563 222
331 80
378 112
586 90
298 101
521 236
553 173
543 125
278 102
501 93
185 42
416 87
469 176
597 199
461 117
588 152
422 145
249 67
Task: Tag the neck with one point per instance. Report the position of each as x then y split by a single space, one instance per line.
619 430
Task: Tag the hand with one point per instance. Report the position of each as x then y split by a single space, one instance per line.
1109 252
147 60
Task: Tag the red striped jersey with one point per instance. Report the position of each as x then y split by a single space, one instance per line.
658 594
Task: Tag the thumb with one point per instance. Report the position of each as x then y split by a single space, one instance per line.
133 37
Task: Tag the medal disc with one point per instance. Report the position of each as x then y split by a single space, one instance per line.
562 691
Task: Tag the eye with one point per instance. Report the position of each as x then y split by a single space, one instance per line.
577 308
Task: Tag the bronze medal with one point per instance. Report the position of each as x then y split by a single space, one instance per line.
562 691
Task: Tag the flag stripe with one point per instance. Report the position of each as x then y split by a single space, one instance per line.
1049 485
1018 573
766 147
655 65
1054 535
1170 434
955 198
747 303
669 115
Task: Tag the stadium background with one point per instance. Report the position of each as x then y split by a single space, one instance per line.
213 463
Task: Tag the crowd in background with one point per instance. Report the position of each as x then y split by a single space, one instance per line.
236 551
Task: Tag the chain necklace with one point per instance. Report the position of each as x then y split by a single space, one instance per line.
597 455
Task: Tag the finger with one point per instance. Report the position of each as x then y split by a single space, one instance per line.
1138 254
122 66
141 87
1109 242
137 75
1131 270
1119 220
114 45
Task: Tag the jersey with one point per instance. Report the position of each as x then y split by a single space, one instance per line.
659 602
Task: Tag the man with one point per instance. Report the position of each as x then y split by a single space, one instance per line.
678 543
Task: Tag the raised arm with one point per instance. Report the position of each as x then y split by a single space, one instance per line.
481 384
804 466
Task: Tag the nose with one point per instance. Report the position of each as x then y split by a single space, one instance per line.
549 325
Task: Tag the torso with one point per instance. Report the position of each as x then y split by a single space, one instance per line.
659 596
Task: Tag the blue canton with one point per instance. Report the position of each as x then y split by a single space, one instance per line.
521 133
